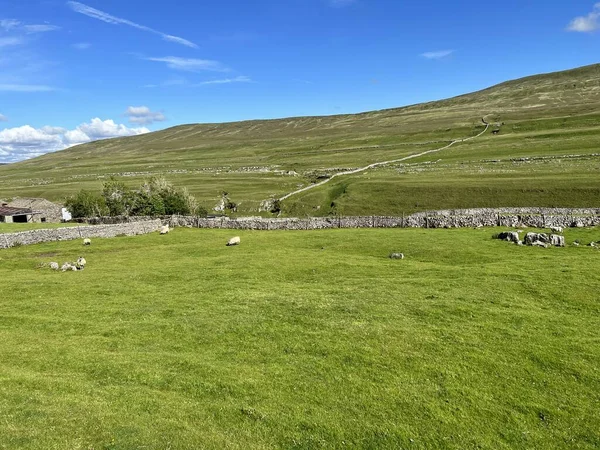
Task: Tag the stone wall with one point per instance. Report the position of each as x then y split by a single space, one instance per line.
507 217
460 218
69 233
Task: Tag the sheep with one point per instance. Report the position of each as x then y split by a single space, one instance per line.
556 230
54 265
87 241
164 229
234 241
81 262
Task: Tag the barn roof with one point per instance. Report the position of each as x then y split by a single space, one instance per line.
10 211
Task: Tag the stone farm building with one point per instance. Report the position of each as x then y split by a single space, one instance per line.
40 210
16 215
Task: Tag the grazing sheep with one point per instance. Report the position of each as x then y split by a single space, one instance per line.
54 266
86 241
556 230
234 241
81 262
396 255
164 229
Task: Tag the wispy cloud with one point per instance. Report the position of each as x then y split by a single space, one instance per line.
17 25
40 28
586 24
105 17
190 64
3 118
341 3
10 41
240 79
82 45
142 115
440 54
9 24
25 88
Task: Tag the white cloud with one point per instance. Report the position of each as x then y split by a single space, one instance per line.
17 25
9 24
190 64
40 28
10 41
142 115
441 54
586 24
240 79
3 118
27 142
25 88
341 3
105 17
82 45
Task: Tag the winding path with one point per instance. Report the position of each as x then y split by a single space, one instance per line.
383 163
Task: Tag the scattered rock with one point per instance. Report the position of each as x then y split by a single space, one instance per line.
557 240
396 255
530 238
54 265
556 230
164 229
540 244
509 236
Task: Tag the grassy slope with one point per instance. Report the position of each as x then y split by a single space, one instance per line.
287 342
554 114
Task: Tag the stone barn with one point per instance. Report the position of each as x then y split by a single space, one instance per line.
9 214
42 210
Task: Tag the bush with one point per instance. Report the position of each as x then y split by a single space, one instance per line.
86 204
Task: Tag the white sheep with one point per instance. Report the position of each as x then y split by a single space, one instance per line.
164 229
54 265
86 241
234 241
81 262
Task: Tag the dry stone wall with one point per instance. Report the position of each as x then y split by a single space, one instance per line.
69 233
507 217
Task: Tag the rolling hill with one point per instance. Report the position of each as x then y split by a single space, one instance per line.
546 154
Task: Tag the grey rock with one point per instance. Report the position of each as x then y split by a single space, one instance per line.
557 240
396 255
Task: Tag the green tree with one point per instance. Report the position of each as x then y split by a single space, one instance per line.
86 204
118 197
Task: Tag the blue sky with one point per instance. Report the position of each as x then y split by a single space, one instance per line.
71 72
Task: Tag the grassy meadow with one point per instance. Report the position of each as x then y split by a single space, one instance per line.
309 339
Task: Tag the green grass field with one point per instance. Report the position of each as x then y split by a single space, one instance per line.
311 339
546 116
16 227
